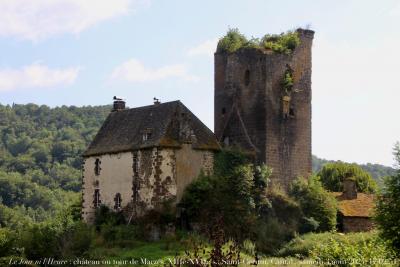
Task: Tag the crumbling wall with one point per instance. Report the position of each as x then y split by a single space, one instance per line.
157 179
249 105
147 179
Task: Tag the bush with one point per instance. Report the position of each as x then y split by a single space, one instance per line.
368 252
315 202
232 41
76 241
301 246
333 174
278 224
283 43
249 247
104 215
236 193
271 234
388 208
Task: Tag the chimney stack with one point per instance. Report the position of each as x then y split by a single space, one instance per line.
349 188
119 104
156 101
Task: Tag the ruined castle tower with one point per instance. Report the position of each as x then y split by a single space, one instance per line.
254 111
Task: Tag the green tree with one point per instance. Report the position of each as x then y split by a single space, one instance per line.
315 202
388 208
236 192
333 174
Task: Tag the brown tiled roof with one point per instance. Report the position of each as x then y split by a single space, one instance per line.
123 130
362 206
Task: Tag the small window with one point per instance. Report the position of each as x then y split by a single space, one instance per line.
291 112
117 201
247 77
226 140
96 200
97 167
146 136
135 164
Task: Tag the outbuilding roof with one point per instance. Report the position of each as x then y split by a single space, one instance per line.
362 206
169 124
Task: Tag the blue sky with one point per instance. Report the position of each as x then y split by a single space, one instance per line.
83 52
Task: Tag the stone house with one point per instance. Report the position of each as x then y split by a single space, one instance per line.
355 209
143 157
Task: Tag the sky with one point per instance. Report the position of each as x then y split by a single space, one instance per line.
83 52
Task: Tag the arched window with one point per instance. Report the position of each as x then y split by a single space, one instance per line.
96 200
117 201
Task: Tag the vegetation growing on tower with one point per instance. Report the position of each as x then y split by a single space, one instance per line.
283 43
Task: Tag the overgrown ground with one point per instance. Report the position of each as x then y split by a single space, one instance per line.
299 252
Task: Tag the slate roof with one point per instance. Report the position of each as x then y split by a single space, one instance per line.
362 206
168 125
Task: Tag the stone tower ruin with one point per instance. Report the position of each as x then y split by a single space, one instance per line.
253 111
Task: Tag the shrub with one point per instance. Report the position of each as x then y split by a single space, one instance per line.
249 247
78 240
301 246
388 208
104 215
282 43
271 234
236 192
315 202
370 252
278 224
308 225
232 41
333 174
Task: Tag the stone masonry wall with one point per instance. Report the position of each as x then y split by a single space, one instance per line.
248 107
357 224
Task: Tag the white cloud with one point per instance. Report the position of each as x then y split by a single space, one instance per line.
206 48
37 19
134 71
36 76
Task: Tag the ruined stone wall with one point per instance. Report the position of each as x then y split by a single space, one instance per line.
156 179
115 177
357 224
146 179
249 83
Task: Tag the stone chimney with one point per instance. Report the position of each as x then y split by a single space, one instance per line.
156 101
119 104
349 188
